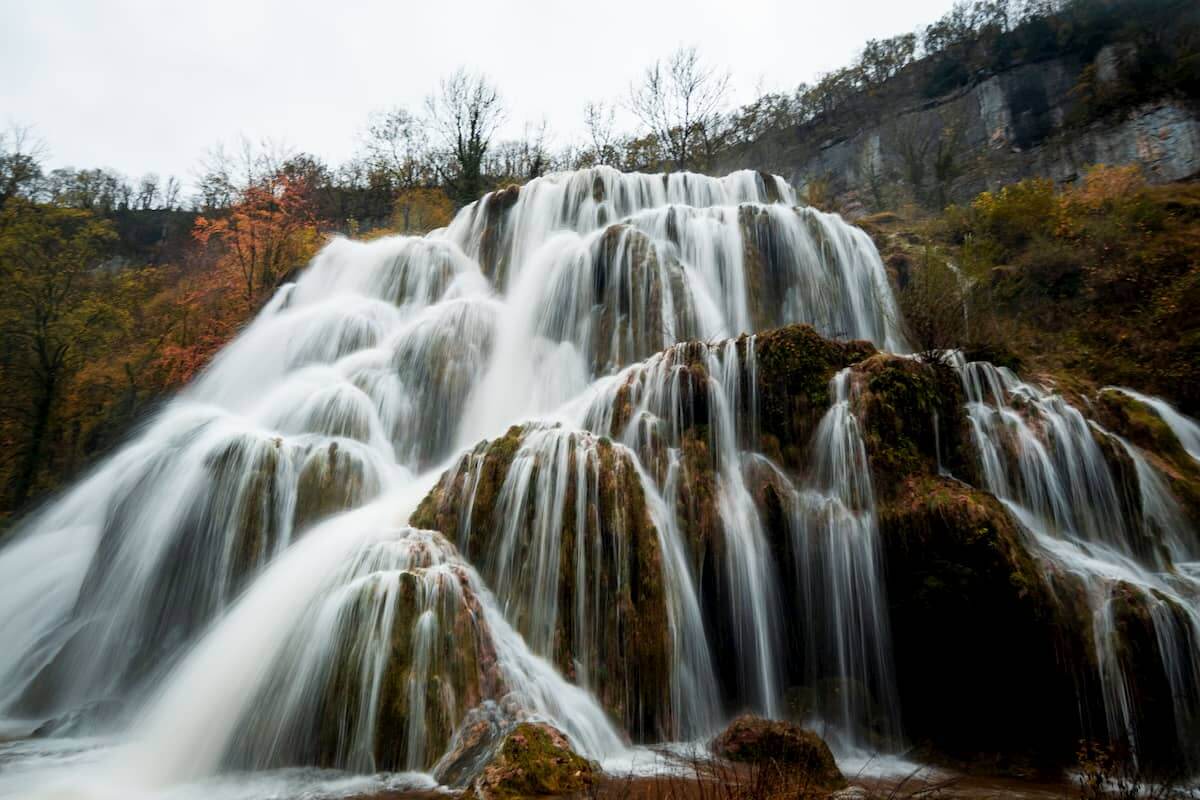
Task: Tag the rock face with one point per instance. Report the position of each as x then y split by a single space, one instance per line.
795 364
753 739
533 760
997 129
980 638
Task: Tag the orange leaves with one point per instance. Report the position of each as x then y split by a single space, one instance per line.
271 230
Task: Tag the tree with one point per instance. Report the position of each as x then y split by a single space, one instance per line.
397 147
681 103
20 162
397 144
465 112
933 302
912 143
599 119
147 191
882 59
226 173
52 313
520 160
269 231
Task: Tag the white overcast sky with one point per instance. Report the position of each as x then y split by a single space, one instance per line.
151 85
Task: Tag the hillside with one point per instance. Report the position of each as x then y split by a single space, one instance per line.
1001 99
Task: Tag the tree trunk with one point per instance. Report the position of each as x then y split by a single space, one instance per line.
32 459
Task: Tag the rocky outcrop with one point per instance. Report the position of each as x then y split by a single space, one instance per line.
794 366
987 629
997 129
980 636
913 421
332 479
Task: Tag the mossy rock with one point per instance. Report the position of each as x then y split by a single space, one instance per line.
332 479
630 278
912 419
1159 714
986 637
794 367
534 760
754 740
1141 425
493 252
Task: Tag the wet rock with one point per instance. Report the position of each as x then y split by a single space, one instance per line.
1141 425
331 480
533 760
80 720
912 418
795 364
475 744
753 739
581 573
981 629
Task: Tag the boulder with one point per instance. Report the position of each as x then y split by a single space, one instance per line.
533 760
981 628
751 739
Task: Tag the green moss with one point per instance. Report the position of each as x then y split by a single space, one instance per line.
534 760
795 365
912 419
458 677
629 660
1139 424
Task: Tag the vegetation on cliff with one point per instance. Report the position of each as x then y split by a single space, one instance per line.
1095 283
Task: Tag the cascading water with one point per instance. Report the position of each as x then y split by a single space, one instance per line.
838 577
238 588
1126 550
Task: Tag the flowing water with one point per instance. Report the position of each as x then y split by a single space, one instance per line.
237 593
1126 547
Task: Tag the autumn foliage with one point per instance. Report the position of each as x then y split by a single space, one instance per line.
270 232
1101 278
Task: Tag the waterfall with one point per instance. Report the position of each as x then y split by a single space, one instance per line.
836 541
516 469
1186 430
1048 463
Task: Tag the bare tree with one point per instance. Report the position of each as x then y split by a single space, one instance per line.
519 160
465 112
226 173
681 103
600 120
170 193
934 307
147 191
397 144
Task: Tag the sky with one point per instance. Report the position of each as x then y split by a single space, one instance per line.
152 85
